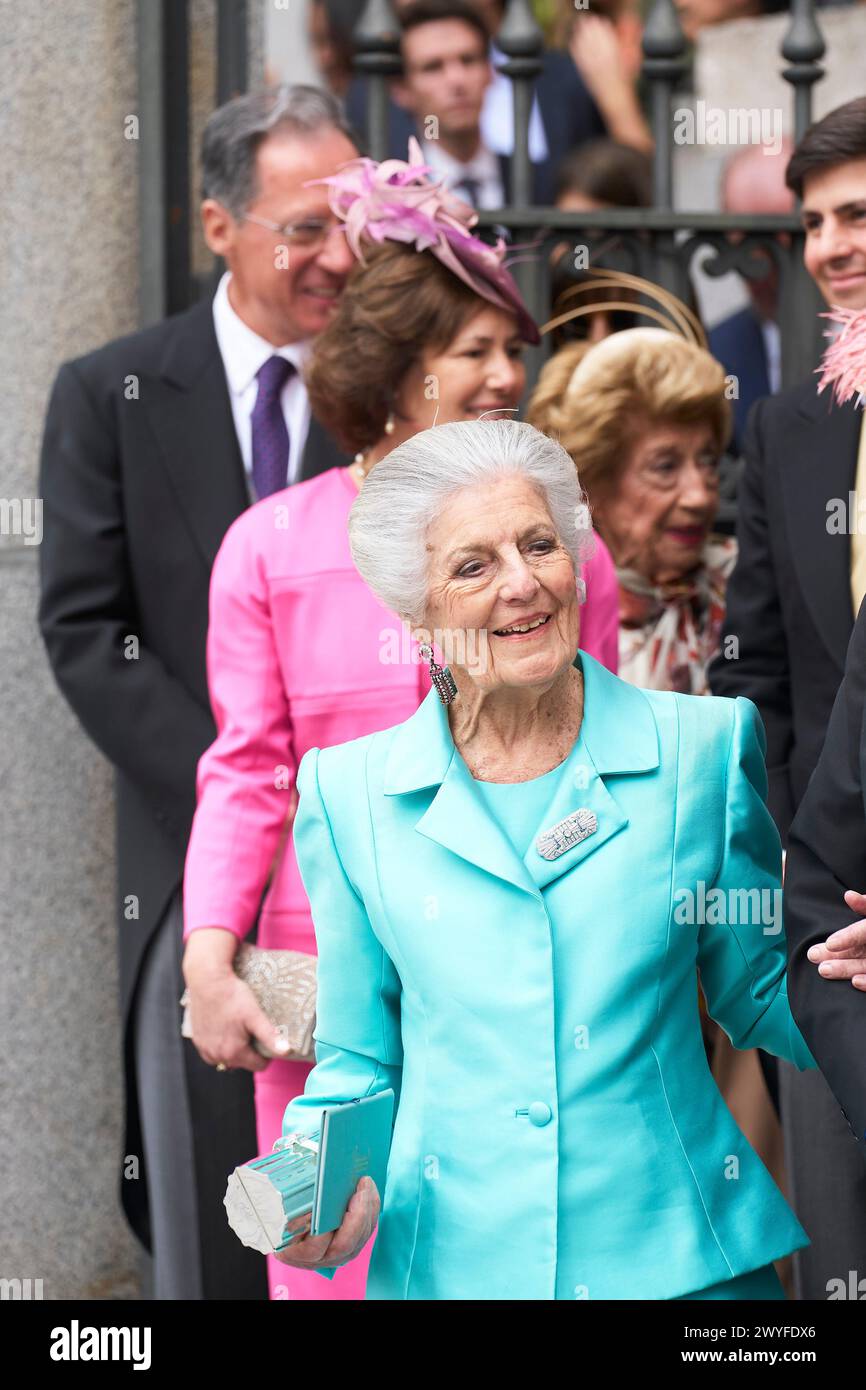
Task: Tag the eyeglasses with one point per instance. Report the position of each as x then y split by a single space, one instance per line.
312 232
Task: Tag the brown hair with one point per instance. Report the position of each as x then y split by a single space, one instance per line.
597 416
838 138
398 304
608 172
431 11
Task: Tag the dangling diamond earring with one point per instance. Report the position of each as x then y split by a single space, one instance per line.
442 679
389 423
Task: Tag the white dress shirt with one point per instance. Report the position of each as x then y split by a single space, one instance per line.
497 115
244 353
773 348
483 168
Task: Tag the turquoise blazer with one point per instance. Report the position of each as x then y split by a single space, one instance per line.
558 1132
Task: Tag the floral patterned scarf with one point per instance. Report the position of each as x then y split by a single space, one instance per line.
669 633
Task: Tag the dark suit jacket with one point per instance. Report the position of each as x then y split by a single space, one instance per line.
137 495
738 343
827 855
789 601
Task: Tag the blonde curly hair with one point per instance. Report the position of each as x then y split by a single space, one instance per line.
597 398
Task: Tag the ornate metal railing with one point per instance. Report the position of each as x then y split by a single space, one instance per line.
659 243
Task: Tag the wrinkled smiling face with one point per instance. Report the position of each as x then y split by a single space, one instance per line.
659 512
502 584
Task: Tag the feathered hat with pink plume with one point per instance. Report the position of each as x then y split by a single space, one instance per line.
843 366
396 200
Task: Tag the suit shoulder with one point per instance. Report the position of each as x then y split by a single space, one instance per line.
140 350
706 721
343 769
790 402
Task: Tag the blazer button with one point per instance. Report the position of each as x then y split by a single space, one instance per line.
539 1113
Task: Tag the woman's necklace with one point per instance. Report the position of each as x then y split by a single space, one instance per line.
361 464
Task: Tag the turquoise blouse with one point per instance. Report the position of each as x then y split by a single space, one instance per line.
519 807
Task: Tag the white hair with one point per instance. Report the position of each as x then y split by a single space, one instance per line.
407 489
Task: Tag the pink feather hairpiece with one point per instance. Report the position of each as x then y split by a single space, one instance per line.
397 200
843 365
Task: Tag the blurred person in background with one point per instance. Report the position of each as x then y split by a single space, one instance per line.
563 114
605 46
792 596
298 649
445 47
748 343
139 488
604 174
696 15
330 26
644 414
600 174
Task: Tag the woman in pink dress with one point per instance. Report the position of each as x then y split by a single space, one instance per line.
300 654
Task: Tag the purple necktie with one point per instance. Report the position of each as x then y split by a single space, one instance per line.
270 436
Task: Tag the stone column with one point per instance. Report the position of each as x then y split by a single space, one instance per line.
68 282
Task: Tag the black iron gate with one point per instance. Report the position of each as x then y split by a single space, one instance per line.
658 243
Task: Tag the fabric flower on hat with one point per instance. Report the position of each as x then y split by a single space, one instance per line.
398 200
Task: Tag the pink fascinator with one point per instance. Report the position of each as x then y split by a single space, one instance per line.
399 201
843 366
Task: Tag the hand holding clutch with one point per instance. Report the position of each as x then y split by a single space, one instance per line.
283 986
340 1246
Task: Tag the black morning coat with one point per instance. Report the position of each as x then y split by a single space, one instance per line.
789 599
141 476
827 855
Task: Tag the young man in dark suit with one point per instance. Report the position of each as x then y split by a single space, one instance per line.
153 445
798 581
448 75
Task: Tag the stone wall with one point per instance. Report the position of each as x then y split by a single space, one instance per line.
68 282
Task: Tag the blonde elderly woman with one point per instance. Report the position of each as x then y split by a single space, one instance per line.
558 1134
645 417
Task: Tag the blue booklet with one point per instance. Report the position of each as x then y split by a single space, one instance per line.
309 1179
355 1143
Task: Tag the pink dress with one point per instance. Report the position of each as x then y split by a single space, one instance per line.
301 655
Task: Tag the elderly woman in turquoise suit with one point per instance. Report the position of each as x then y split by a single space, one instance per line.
510 891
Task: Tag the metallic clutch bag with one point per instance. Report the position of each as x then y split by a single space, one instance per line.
284 983
269 1200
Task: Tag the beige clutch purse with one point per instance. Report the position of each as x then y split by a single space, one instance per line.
284 983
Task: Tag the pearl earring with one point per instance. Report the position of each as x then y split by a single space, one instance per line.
389 423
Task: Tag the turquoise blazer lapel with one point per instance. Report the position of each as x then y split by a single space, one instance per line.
618 735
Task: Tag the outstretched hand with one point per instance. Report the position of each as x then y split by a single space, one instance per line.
843 955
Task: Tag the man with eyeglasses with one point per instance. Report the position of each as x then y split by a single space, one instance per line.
153 445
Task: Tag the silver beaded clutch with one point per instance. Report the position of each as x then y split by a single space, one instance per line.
284 983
